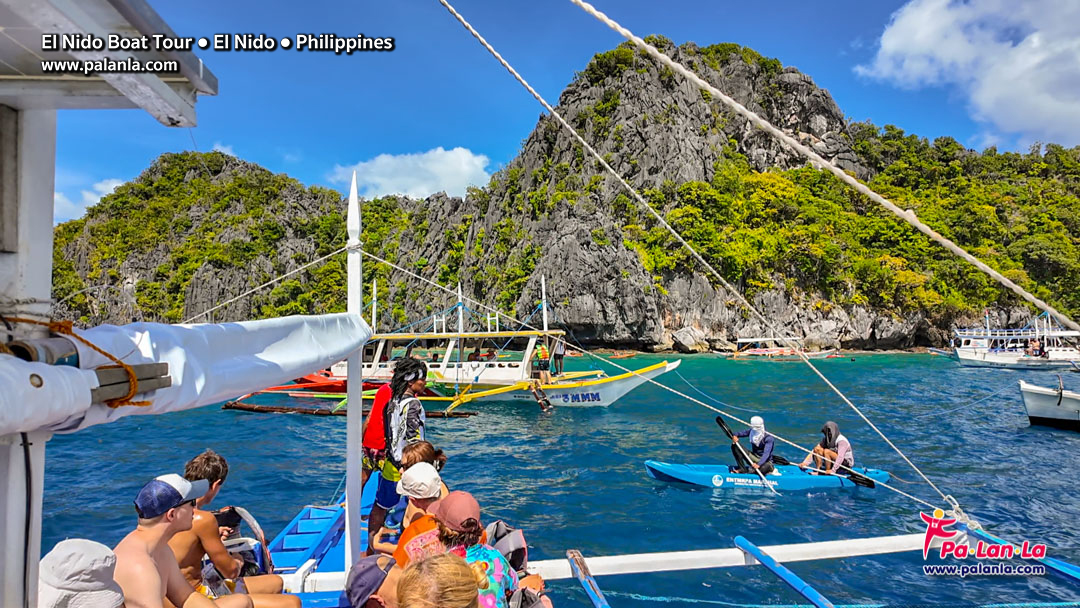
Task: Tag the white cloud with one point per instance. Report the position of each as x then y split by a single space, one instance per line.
220 147
65 209
1016 63
416 175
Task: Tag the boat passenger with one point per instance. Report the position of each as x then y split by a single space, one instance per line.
372 583
475 354
78 572
491 355
421 484
832 452
761 446
146 568
543 363
557 354
446 581
223 576
460 531
373 445
403 423
423 451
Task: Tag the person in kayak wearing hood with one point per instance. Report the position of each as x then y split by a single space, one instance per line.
833 451
761 446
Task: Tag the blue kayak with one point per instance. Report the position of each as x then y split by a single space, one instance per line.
719 476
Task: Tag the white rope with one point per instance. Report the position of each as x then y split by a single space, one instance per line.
630 371
266 284
660 219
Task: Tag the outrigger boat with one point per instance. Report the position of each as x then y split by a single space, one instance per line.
1041 344
1054 407
766 348
492 365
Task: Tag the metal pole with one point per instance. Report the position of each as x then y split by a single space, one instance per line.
28 152
374 306
460 311
355 416
543 301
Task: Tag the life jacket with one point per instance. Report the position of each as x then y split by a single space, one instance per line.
541 352
397 420
510 542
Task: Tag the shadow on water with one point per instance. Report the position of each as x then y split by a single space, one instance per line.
575 478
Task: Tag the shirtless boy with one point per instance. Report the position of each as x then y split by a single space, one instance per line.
204 537
145 566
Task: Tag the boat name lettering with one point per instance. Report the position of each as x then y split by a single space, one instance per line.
580 397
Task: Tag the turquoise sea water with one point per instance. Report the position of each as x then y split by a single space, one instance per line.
574 479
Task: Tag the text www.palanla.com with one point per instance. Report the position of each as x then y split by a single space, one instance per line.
982 569
106 65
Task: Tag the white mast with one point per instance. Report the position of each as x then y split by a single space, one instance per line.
460 311
374 306
355 417
543 300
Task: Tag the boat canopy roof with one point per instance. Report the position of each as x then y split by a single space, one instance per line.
1023 333
443 335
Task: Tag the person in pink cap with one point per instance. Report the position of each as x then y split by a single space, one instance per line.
460 531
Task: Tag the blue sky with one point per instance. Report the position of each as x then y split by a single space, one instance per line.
438 112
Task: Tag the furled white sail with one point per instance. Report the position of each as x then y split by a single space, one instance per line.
208 363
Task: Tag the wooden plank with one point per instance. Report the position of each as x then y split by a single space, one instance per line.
143 371
588 583
9 176
116 391
800 586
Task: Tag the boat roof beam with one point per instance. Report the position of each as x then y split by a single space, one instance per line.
467 335
170 98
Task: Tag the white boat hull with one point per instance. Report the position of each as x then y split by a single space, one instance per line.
600 392
1010 360
1051 407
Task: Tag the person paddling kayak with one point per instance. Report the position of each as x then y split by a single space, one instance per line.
833 451
761 446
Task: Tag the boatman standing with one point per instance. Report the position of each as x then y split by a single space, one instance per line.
761 446
557 356
543 362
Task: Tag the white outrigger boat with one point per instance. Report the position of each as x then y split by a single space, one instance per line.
1042 344
767 348
494 365
1054 407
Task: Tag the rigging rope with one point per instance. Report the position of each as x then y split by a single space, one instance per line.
967 405
266 284
637 196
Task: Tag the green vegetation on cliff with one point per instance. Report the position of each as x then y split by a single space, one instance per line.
1020 213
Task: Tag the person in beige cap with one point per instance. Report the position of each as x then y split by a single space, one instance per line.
78 573
422 485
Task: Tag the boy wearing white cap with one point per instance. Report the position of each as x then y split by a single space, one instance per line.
145 566
422 485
